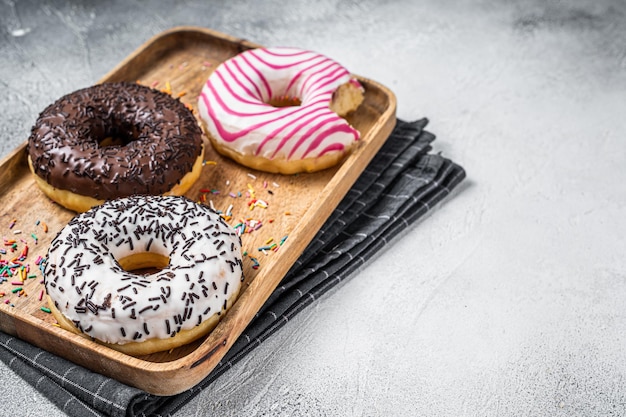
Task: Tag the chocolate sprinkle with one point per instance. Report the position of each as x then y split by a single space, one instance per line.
180 291
160 141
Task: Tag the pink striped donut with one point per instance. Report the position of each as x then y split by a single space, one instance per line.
279 110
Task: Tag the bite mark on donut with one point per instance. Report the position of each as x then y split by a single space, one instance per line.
281 110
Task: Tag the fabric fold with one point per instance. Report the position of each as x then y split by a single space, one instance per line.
402 183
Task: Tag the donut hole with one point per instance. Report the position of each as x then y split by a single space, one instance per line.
112 141
144 263
118 134
285 101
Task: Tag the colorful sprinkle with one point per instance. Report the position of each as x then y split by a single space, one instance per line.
16 271
251 191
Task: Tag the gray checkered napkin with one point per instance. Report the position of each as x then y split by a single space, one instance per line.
401 184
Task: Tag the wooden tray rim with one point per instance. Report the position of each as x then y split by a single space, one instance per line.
200 353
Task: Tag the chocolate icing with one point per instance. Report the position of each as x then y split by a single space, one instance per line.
158 140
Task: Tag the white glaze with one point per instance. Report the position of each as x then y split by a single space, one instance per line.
234 104
82 268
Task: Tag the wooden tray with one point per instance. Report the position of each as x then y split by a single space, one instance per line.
180 60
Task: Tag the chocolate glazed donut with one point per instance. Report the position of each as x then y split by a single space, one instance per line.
115 140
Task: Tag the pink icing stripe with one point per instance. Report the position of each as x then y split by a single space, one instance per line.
321 76
313 129
323 134
285 52
245 75
344 128
219 101
237 97
332 148
302 71
287 112
303 119
311 126
299 126
256 54
262 78
225 134
327 82
218 98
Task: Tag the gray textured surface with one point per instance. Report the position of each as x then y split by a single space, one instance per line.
509 300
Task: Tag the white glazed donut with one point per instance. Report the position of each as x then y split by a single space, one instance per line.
278 109
93 290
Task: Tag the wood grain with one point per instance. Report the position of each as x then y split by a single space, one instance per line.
179 61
